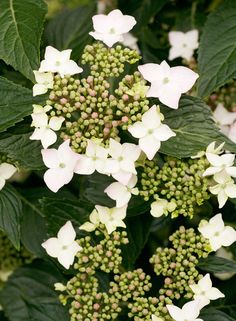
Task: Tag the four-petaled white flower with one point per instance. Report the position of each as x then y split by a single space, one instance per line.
60 62
220 163
44 81
211 149
189 312
111 28
151 131
6 172
217 233
111 217
122 193
44 130
226 121
204 291
224 189
183 44
95 159
123 160
63 247
168 83
61 164
161 206
93 224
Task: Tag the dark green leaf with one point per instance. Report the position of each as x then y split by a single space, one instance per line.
29 294
17 145
217 50
21 24
70 29
217 264
211 314
138 229
194 127
16 103
10 214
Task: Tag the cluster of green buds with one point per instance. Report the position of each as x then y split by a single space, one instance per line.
178 263
225 95
92 108
180 182
10 258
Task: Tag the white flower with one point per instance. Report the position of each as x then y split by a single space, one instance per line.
130 41
61 164
93 224
224 189
44 130
111 217
204 291
161 206
217 233
155 318
110 28
168 83
220 163
44 81
123 160
211 149
189 312
95 159
6 171
224 118
121 193
151 131
59 61
183 44
63 247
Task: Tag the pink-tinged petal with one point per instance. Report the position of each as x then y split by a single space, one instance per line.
175 312
56 122
205 283
214 294
223 116
228 236
150 145
48 138
191 310
85 166
52 247
115 148
122 177
151 118
184 78
66 258
211 171
50 158
150 71
56 178
131 151
6 171
163 133
138 130
66 234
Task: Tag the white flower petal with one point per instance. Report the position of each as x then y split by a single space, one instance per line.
191 310
66 234
138 130
150 145
151 118
48 138
50 157
39 89
66 258
184 77
7 170
175 312
214 294
56 122
205 283
55 178
52 246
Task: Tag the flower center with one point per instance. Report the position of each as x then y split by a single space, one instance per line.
62 165
166 80
150 131
64 247
58 63
112 31
120 158
184 45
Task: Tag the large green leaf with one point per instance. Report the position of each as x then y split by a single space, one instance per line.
15 104
194 127
21 24
217 264
70 29
17 145
217 50
29 294
10 214
211 314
